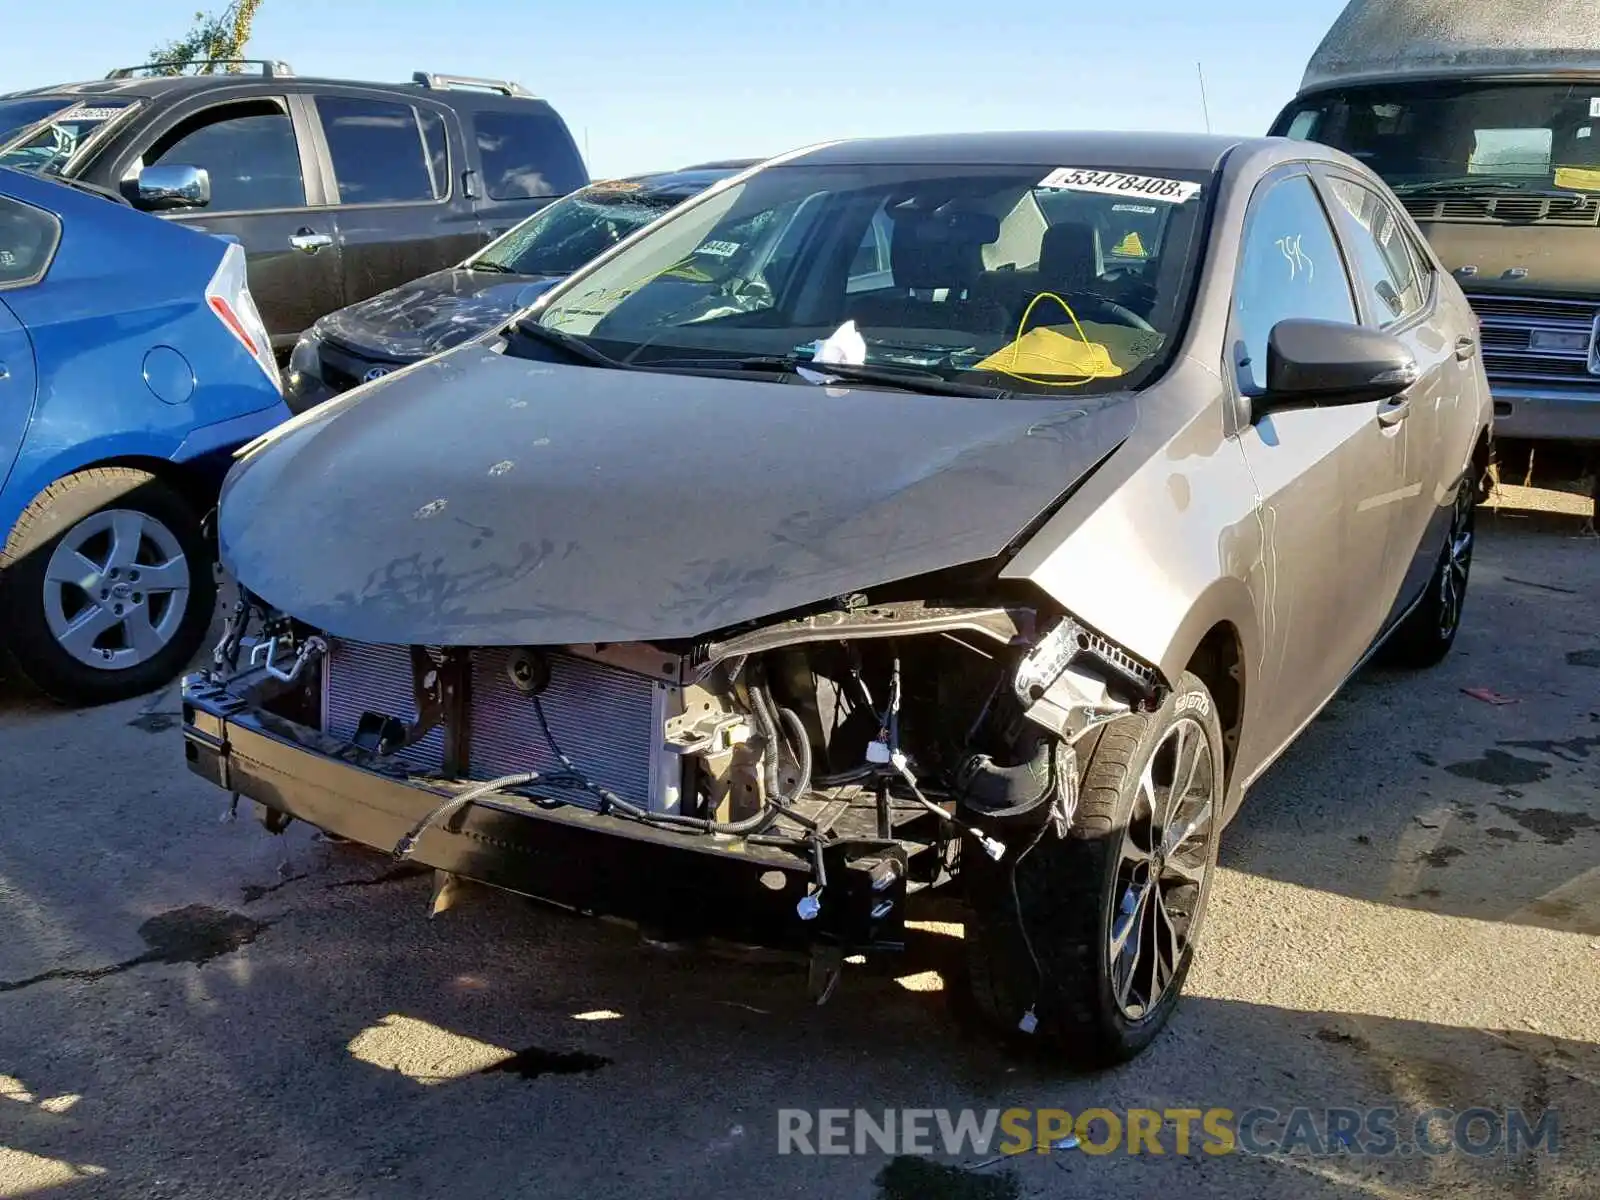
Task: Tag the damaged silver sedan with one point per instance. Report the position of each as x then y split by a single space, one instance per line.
982 512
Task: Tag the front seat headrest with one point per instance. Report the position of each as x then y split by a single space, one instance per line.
1070 258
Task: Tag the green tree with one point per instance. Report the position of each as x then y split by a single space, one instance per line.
213 36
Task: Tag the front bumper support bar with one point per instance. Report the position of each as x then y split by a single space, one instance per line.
669 882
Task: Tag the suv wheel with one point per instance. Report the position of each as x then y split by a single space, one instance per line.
1426 634
106 586
1087 944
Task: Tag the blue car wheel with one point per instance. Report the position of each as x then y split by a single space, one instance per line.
108 585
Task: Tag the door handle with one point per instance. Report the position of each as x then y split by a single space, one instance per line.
309 242
1392 412
1466 346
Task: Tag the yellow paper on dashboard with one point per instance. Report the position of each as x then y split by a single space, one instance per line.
1057 350
1049 351
1583 179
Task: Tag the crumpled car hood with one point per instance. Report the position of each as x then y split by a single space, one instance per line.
433 313
478 499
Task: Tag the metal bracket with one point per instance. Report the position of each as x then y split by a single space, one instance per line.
712 733
1075 703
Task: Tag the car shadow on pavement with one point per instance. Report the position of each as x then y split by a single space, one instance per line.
508 1050
1471 790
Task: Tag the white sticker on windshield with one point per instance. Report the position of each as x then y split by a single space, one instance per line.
719 249
1594 106
84 113
1147 209
1116 183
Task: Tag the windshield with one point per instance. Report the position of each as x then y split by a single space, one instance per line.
69 125
1033 277
1464 134
563 236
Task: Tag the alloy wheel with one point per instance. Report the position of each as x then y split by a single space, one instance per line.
1163 869
116 589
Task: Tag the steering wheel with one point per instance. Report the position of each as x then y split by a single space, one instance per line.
1104 305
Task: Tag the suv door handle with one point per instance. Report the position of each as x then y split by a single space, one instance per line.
309 241
1392 412
1466 346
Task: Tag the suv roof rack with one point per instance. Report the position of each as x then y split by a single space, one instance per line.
441 82
271 68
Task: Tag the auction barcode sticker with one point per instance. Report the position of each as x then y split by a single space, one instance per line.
1116 183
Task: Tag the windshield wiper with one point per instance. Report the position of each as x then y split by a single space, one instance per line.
490 268
1468 183
574 345
911 379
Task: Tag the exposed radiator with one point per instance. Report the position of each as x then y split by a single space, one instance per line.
609 722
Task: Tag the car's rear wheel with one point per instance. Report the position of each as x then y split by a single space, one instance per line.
106 586
1087 941
1428 631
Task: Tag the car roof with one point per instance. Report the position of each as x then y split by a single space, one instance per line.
725 164
1149 151
156 87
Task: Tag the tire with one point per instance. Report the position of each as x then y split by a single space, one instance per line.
107 586
1424 637
1040 937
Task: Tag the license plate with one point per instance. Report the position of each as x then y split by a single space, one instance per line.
1559 340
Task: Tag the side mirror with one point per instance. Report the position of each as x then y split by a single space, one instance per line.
1332 363
169 186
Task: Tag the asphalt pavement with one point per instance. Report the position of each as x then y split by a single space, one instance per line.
1408 918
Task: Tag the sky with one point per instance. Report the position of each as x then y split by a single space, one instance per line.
652 86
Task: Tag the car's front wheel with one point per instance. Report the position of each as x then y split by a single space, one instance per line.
1085 940
106 586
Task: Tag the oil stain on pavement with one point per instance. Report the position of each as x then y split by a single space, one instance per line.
1556 828
195 934
1502 769
910 1178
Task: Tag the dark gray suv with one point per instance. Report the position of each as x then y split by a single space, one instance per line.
338 190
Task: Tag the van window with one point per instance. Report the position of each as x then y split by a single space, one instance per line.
380 151
1466 133
526 155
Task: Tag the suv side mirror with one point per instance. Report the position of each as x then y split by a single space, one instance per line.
1332 363
167 186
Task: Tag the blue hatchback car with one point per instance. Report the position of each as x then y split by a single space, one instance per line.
133 363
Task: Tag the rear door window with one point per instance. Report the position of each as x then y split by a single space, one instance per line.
384 152
1378 243
526 155
249 150
28 239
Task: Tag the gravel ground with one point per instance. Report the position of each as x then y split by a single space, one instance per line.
1408 917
